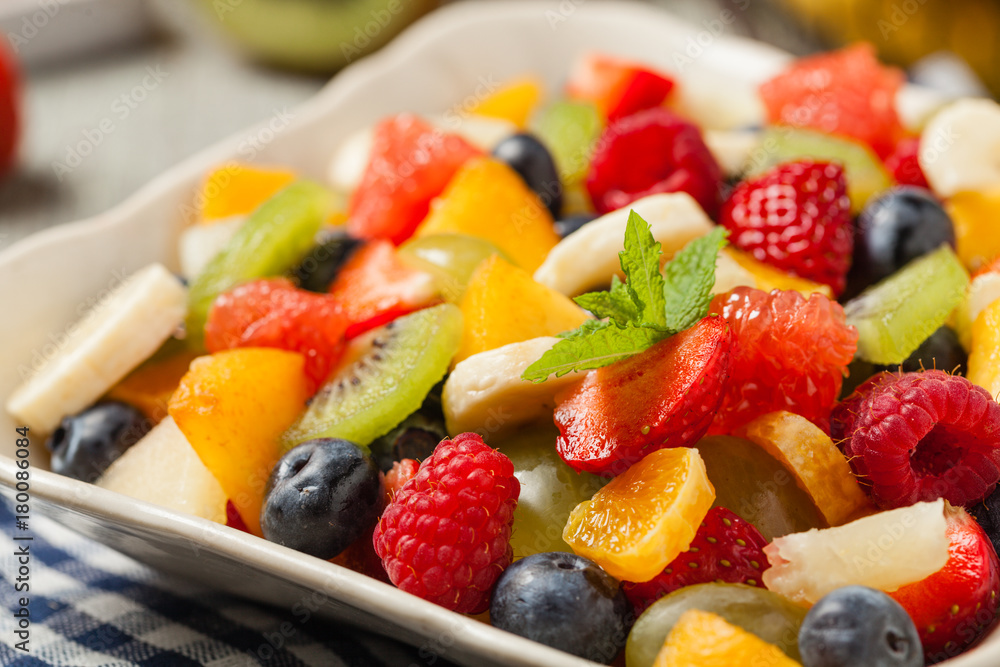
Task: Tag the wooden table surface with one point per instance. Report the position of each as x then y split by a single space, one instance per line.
194 90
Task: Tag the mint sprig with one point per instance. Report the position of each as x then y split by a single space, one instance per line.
649 306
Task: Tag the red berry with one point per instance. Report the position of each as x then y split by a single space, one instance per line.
904 165
233 518
10 108
725 548
921 436
846 92
401 473
650 152
411 163
665 396
445 537
789 353
374 288
956 605
796 217
274 313
617 87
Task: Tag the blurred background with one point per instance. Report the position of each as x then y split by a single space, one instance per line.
147 83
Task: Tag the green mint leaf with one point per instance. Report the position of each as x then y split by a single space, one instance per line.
616 304
604 343
689 278
583 329
641 263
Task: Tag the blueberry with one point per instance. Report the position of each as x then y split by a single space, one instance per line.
856 625
86 443
571 223
896 227
528 157
321 496
987 515
323 262
564 601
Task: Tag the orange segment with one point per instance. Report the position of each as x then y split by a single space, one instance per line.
984 361
514 101
820 469
975 216
490 322
645 517
238 189
150 386
486 198
232 407
704 639
769 277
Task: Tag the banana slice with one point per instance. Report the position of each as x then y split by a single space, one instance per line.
732 149
589 257
117 335
960 147
349 162
485 392
200 243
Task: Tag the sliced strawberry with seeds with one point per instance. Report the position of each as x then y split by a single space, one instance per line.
665 396
956 605
921 436
725 548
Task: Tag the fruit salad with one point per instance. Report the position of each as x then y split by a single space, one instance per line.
643 390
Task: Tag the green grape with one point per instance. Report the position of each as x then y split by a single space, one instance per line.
450 258
569 130
550 490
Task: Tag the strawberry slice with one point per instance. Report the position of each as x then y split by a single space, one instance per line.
411 163
725 548
617 87
956 605
666 396
374 287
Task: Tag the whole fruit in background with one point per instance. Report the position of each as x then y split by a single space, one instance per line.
445 537
85 444
564 601
921 436
956 605
10 115
857 625
532 161
650 152
321 496
894 228
796 217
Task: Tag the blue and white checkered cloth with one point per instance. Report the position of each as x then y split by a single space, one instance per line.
91 606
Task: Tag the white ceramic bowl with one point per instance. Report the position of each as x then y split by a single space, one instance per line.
48 280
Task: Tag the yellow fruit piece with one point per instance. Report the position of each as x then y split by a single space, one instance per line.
704 639
769 277
820 469
238 189
983 289
486 198
150 386
984 361
645 517
503 304
232 407
514 101
975 216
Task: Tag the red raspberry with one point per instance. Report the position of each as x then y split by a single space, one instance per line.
904 164
401 473
796 217
725 548
846 92
789 353
921 436
274 313
445 537
649 152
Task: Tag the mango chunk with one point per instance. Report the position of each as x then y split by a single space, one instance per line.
514 101
238 189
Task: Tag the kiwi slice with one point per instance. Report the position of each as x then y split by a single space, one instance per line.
273 240
896 315
864 171
385 381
